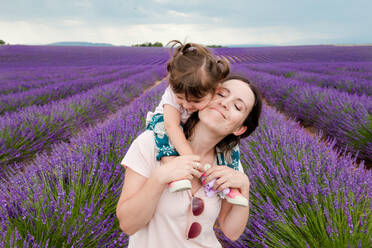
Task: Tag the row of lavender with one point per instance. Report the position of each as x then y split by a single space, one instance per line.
303 192
353 69
345 117
346 81
296 54
45 56
14 80
61 88
36 128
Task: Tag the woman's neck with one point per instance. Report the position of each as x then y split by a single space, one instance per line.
203 141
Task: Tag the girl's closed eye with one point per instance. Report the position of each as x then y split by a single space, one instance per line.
237 107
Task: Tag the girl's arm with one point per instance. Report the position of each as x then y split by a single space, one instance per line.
172 120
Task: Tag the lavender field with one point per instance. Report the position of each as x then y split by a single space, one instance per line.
69 114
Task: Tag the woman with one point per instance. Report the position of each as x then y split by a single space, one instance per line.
154 217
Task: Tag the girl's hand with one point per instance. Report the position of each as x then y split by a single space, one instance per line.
227 178
181 167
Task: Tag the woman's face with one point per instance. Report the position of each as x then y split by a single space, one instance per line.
229 108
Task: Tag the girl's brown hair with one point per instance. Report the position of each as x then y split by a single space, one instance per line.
193 70
251 122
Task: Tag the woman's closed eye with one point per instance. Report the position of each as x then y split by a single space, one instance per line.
237 107
222 94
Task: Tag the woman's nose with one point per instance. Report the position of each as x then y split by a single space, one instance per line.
223 102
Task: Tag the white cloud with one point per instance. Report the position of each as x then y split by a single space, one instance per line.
74 30
177 13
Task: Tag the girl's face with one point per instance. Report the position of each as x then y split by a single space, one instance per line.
229 108
193 104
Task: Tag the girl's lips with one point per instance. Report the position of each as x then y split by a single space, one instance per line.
219 111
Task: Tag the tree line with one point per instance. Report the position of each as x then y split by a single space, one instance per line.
149 44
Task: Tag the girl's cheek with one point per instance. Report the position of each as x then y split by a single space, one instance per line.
202 106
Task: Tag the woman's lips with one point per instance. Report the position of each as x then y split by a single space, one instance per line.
219 111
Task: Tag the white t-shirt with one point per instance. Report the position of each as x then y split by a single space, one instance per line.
168 98
167 228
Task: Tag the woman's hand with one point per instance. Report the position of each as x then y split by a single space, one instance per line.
181 167
227 178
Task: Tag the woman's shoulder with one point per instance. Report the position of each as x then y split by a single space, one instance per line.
144 143
141 156
145 138
147 135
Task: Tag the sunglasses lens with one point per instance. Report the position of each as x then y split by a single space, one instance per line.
194 230
197 206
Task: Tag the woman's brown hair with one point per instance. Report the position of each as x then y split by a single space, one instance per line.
251 122
193 70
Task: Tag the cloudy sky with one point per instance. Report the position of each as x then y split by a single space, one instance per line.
126 22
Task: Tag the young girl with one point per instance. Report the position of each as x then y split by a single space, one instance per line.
193 77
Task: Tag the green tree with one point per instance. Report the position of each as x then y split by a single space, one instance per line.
2 42
157 44
214 46
149 44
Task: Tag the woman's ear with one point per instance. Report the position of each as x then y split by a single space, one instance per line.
240 130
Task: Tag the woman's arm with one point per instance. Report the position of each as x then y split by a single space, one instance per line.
232 218
172 120
140 195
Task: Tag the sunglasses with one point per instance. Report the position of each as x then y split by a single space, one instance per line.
197 208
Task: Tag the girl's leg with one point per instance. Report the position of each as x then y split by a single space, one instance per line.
166 151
